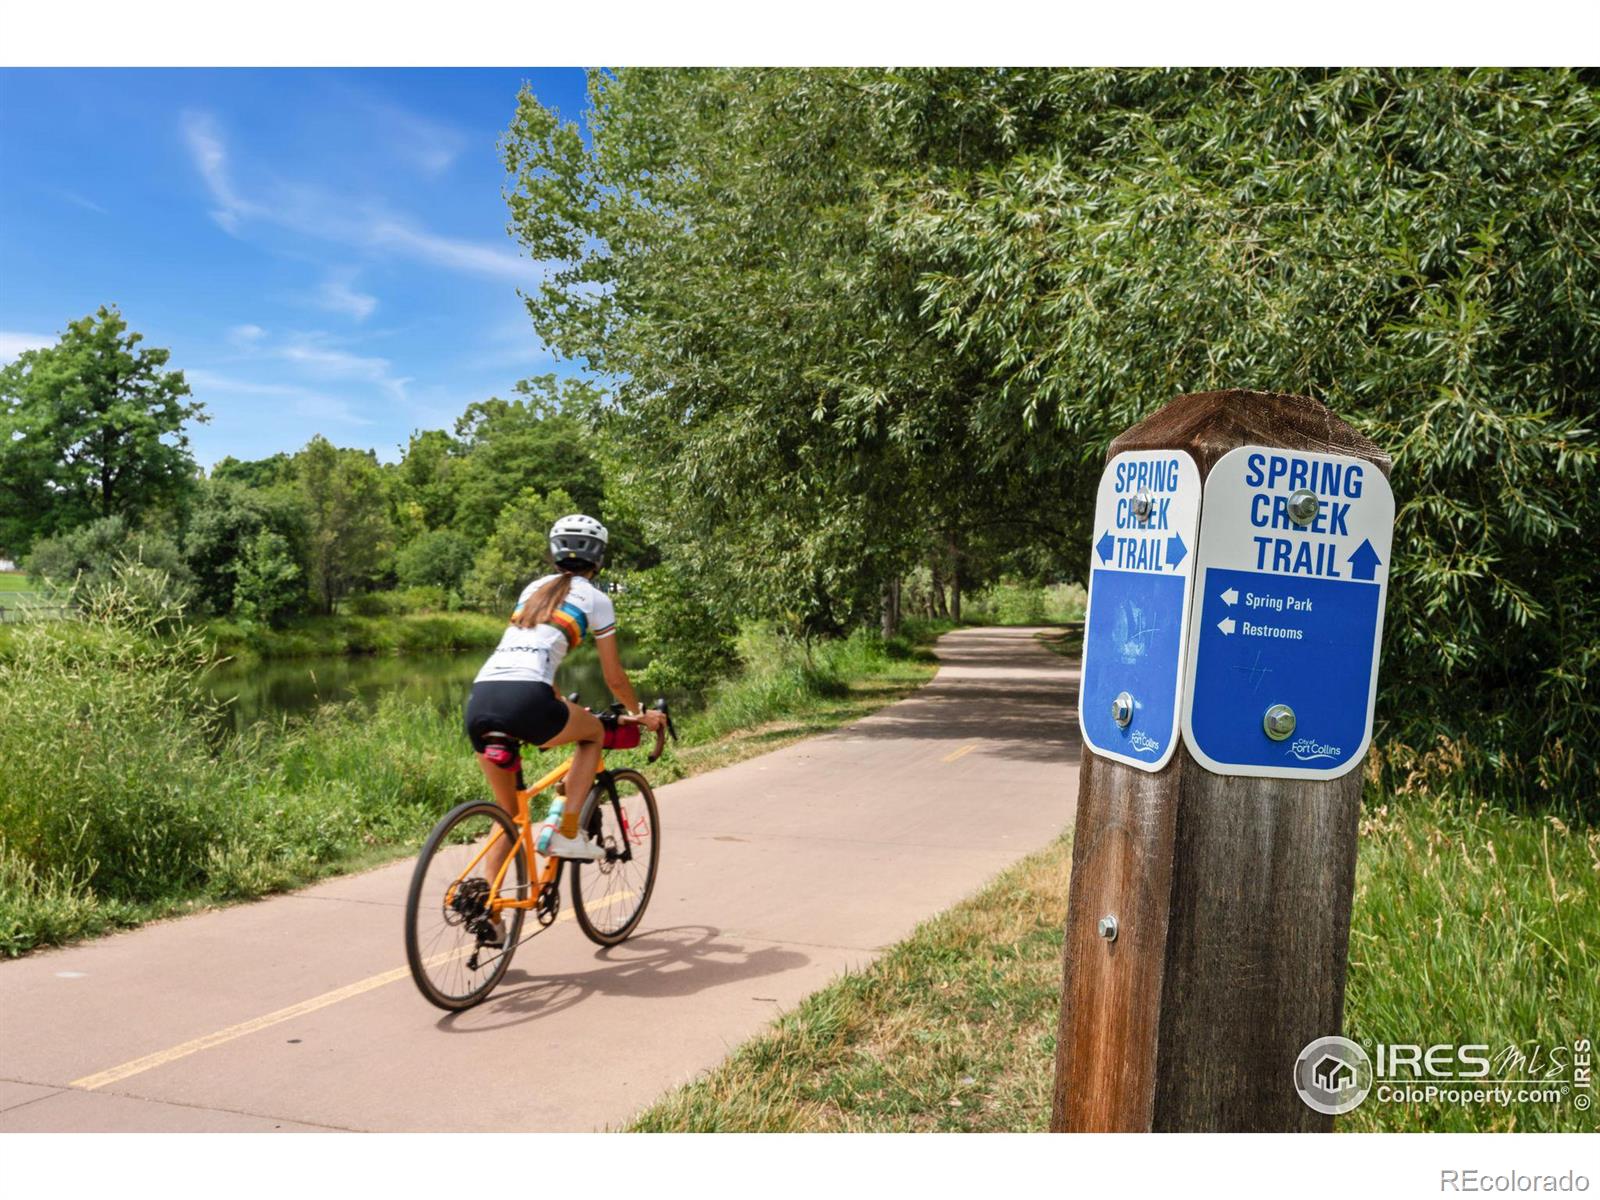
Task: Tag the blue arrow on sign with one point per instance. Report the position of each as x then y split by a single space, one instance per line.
1106 544
1364 562
1175 550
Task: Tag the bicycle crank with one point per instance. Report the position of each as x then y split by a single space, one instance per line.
549 906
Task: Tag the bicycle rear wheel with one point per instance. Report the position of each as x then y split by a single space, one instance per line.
609 896
448 904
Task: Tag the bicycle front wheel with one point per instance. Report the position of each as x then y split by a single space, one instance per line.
448 906
609 896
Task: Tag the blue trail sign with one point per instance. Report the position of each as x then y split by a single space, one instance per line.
1293 572
1141 566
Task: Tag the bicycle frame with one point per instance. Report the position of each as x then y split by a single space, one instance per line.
552 866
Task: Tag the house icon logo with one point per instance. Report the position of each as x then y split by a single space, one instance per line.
1333 1075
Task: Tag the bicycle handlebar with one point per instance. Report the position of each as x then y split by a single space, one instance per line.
660 706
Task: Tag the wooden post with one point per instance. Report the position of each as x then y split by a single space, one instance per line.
1232 893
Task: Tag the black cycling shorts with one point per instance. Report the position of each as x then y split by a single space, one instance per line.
530 712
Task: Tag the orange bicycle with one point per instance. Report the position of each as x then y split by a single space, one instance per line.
476 868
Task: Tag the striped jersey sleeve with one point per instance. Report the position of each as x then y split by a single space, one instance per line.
602 615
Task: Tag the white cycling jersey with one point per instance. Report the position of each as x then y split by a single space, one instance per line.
532 655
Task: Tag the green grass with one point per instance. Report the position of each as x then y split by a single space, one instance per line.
953 1029
124 797
12 581
1480 927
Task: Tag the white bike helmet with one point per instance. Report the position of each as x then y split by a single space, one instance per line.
578 541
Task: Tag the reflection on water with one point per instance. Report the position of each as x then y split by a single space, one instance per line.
298 685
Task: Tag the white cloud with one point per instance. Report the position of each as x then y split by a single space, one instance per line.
13 343
338 294
324 362
82 201
246 335
430 146
305 402
470 257
211 160
308 210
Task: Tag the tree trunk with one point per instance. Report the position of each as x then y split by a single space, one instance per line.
890 622
955 578
936 602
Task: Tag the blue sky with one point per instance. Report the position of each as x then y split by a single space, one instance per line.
322 251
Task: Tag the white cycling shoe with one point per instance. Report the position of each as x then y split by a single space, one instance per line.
553 845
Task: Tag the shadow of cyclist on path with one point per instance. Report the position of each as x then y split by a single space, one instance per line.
674 961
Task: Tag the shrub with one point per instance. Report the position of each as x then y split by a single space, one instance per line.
89 557
680 627
268 584
440 558
371 604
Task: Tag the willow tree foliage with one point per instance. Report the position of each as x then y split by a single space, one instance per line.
853 311
801 433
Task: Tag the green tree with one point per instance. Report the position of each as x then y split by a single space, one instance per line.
440 558
862 319
223 522
268 583
540 440
792 425
349 537
518 551
90 427
426 478
1420 250
274 471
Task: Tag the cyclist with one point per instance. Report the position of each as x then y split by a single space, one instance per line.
514 700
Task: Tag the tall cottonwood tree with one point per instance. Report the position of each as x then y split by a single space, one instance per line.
349 537
90 427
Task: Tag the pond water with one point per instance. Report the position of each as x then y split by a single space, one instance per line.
268 690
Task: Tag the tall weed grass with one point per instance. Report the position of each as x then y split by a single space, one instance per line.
123 795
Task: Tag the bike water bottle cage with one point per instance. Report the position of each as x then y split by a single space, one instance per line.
503 752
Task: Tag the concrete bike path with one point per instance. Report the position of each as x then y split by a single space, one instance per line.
777 874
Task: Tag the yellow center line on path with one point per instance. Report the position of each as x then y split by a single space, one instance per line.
955 754
161 1057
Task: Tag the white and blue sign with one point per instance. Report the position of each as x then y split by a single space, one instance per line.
1294 554
1141 565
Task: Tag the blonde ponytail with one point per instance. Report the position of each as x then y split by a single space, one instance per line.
542 605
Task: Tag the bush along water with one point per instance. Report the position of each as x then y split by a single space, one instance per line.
122 795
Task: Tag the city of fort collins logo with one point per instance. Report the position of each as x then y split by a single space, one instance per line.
1333 1075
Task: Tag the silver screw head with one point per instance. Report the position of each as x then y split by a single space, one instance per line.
1303 506
1122 709
1108 928
1142 504
1278 722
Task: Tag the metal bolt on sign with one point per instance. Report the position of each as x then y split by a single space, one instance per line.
1108 928
1303 506
1142 505
1122 709
1278 722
